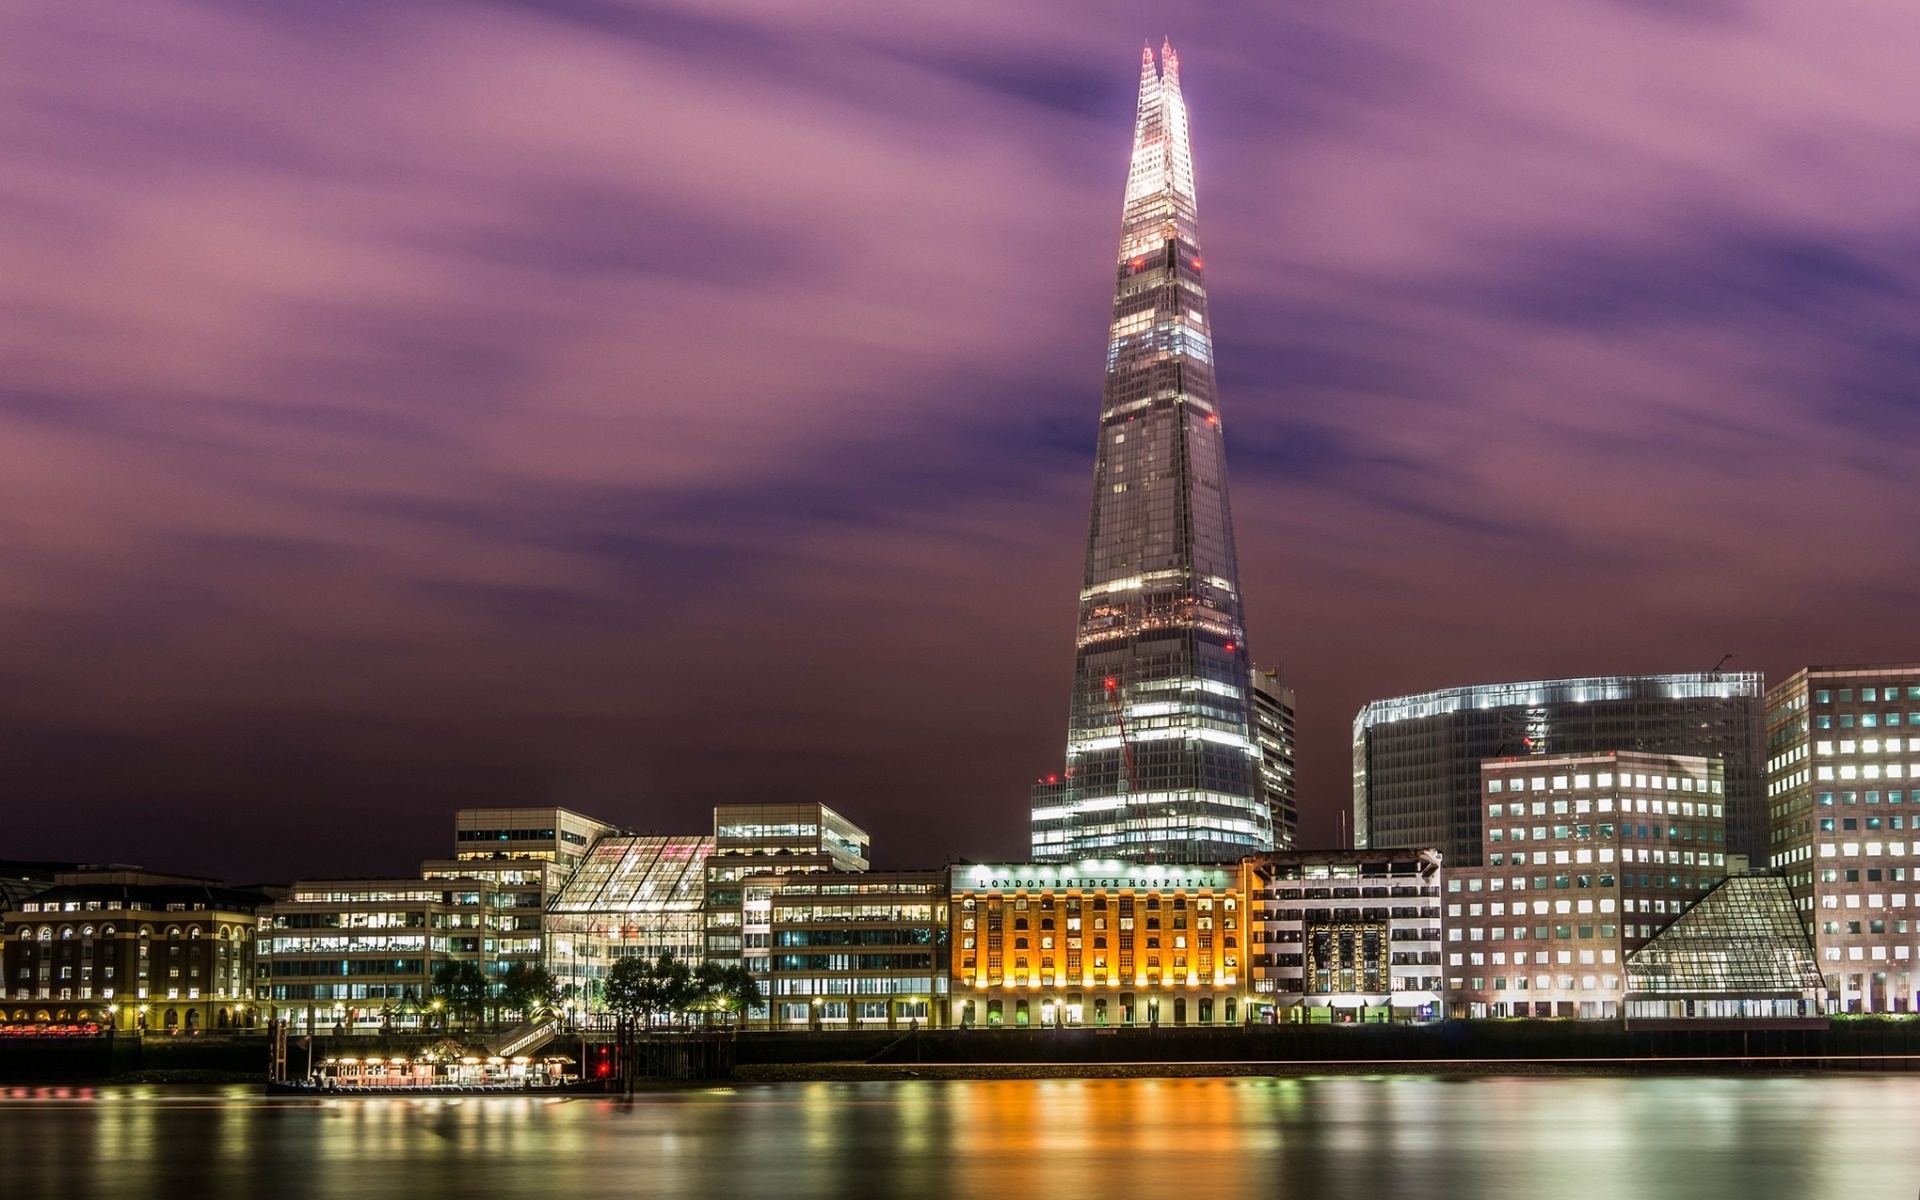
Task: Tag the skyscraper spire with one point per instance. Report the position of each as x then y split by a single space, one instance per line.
1161 757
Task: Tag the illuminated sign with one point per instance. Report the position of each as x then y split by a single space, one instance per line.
1091 874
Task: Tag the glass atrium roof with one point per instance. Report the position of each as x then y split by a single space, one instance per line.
1743 938
624 874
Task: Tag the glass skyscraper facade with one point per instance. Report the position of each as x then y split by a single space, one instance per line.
1273 728
1162 761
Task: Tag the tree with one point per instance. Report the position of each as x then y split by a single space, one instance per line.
530 990
633 994
677 991
462 988
728 988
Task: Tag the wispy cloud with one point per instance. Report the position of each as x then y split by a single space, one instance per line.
637 405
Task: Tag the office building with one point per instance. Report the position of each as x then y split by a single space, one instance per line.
856 950
1344 935
1843 796
129 948
755 847
1416 759
360 955
526 856
1162 763
1096 943
1587 858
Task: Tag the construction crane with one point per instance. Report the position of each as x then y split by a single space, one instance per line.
1120 714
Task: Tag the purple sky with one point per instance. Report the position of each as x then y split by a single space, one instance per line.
636 406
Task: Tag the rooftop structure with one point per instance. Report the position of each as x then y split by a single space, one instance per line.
556 835
1416 759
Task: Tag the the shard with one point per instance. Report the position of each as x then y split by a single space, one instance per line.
1162 763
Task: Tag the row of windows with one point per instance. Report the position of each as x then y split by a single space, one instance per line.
1543 933
1826 823
1867 720
109 905
1874 875
1543 983
1673 808
1859 927
1670 783
1519 882
1869 771
174 933
863 1010
1865 746
1867 695
1583 833
1542 958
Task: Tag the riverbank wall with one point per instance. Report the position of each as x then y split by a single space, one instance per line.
1891 1044
1846 1044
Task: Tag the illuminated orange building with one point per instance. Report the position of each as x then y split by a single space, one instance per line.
1097 943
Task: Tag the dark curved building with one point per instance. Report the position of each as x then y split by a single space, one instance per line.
1416 759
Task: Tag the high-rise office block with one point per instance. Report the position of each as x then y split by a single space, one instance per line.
1416 759
1161 758
1843 801
1273 728
757 850
1588 856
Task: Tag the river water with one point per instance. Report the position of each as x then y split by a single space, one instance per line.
1625 1138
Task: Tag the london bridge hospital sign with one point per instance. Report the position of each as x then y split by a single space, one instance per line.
1141 876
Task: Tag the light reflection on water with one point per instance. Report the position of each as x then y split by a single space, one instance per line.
1570 1139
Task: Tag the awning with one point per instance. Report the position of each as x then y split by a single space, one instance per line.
1348 1002
1414 999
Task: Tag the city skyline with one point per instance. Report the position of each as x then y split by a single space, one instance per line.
351 479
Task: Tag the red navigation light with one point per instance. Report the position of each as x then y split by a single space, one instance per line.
1196 262
1112 683
1053 779
1229 645
1139 262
